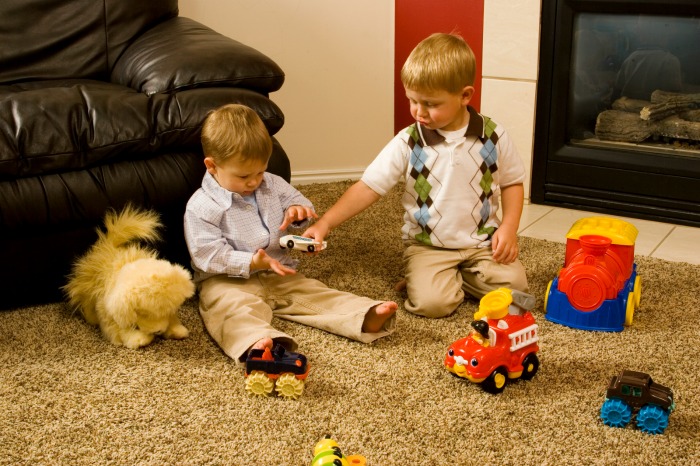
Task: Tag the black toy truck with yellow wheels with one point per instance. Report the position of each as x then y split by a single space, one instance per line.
278 369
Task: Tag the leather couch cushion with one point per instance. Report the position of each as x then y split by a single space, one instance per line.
181 53
141 44
101 105
57 126
54 39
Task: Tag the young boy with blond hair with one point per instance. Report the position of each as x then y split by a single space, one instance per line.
233 224
457 164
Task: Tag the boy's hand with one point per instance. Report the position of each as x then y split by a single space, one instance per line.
356 199
505 246
297 213
261 261
318 231
504 243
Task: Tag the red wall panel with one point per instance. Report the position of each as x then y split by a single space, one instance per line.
417 19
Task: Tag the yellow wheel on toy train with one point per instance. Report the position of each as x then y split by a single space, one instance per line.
637 291
289 386
258 383
546 295
629 313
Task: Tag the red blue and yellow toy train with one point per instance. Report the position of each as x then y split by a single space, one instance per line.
598 288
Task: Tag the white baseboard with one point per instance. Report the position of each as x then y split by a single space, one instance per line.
325 176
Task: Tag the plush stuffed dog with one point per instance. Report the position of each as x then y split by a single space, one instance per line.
122 286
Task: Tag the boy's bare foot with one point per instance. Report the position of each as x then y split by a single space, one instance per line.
262 344
377 315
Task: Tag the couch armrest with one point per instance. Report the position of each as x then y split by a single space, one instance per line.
181 53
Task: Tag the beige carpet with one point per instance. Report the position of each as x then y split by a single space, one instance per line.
69 397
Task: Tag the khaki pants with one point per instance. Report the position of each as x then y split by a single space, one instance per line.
437 279
237 312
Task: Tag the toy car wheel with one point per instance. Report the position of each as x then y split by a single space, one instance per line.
615 413
652 419
258 383
311 248
531 364
288 386
496 382
629 311
290 244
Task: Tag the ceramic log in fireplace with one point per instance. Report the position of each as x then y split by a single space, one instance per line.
598 60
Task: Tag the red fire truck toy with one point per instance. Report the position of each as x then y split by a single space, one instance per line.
502 344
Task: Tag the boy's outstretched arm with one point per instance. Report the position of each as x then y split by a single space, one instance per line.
356 199
505 241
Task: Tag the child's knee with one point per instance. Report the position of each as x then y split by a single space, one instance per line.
433 307
520 283
478 284
512 276
516 280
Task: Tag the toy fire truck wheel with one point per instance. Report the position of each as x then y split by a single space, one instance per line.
652 419
289 386
531 364
258 383
496 382
615 413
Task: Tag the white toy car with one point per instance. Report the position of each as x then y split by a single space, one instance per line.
301 243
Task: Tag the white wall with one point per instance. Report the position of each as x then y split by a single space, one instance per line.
510 65
338 57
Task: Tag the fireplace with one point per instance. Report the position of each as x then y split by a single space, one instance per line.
588 155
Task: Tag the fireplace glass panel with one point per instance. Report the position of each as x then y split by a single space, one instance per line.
630 57
604 64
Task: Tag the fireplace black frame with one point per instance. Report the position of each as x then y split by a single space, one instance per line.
613 180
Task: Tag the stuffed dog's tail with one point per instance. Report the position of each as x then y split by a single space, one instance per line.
91 272
130 224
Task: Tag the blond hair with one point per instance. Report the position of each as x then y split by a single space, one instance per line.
235 131
440 62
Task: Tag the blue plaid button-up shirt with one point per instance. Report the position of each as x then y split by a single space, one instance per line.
223 230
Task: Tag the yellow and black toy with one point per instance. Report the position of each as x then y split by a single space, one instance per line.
327 453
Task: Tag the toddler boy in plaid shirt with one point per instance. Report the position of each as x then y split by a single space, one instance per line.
232 227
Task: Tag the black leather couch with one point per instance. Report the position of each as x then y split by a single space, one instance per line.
101 104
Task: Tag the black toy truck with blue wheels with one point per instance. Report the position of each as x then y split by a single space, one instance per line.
633 392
